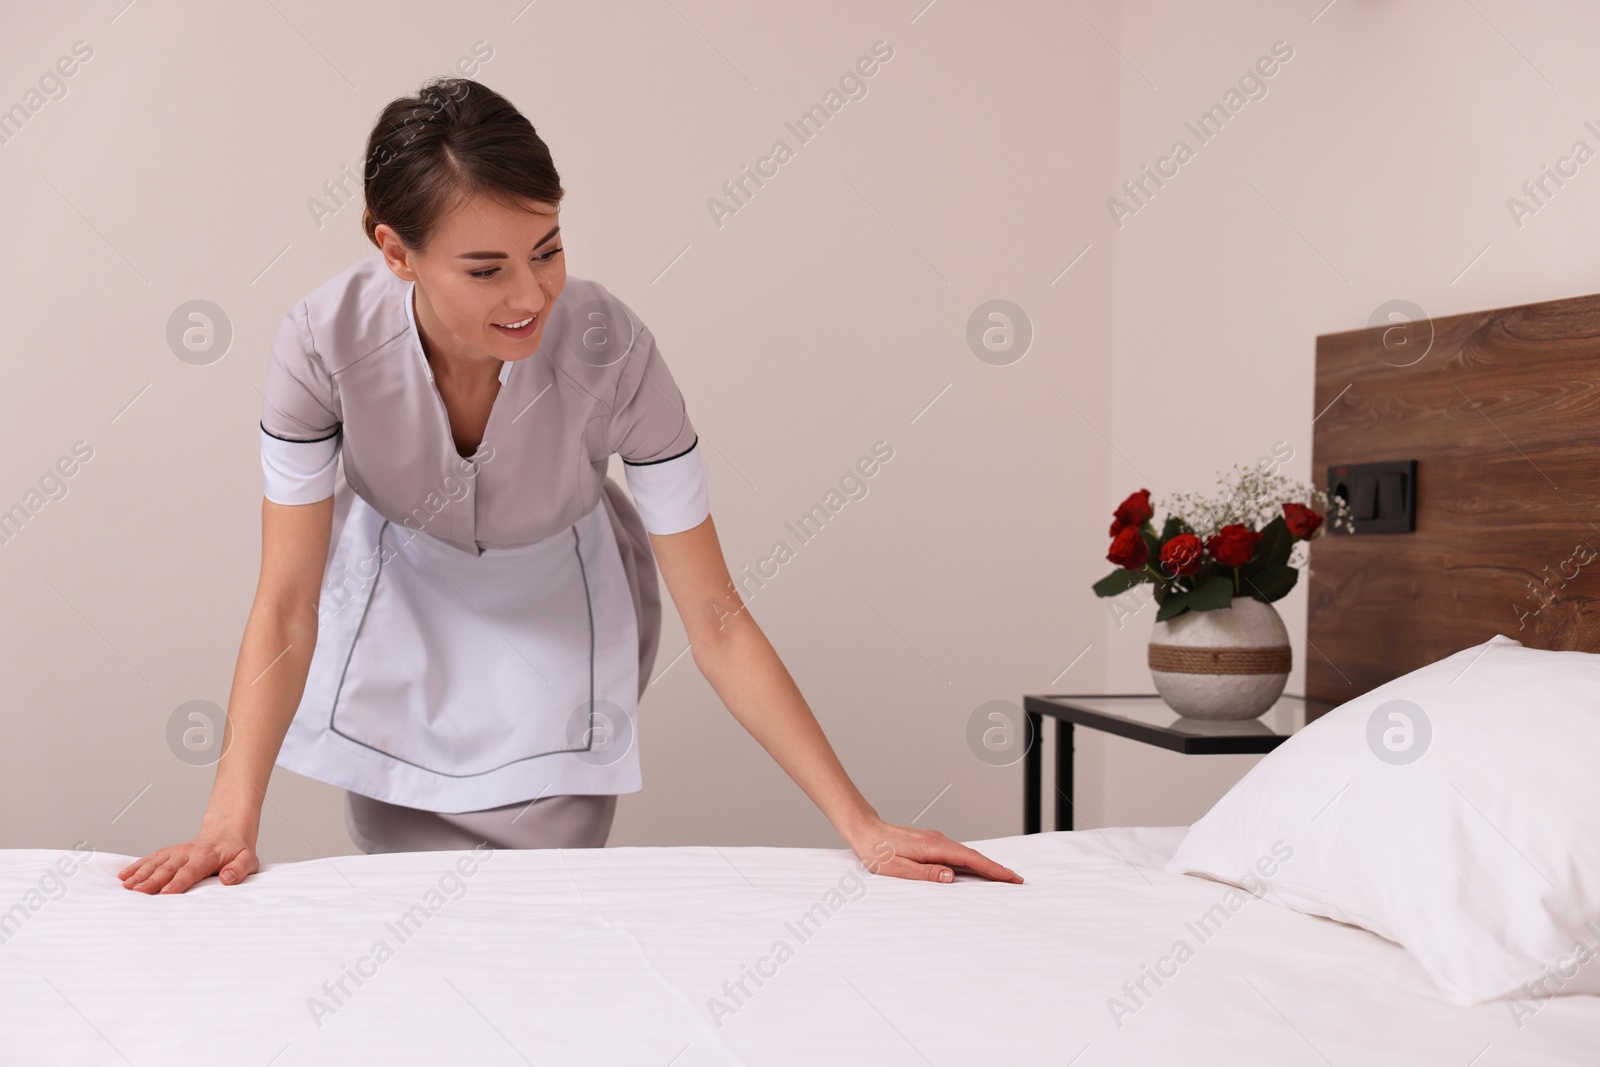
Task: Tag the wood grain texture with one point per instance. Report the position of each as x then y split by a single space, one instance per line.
1502 415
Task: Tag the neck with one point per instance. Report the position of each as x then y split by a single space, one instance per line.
470 373
448 368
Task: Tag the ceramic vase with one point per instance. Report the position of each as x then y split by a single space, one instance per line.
1229 663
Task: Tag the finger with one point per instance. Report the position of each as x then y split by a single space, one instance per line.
187 875
245 863
976 862
942 850
880 858
903 867
143 869
202 863
158 877
919 860
133 868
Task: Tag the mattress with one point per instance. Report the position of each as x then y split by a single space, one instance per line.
698 955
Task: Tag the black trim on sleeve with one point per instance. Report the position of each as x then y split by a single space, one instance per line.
666 459
313 440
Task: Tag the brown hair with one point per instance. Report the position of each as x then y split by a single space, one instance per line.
430 153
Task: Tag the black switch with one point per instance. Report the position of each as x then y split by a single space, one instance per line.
1365 503
1382 496
1391 495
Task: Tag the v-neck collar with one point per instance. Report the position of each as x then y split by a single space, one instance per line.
416 339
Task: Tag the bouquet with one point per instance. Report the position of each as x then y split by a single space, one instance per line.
1245 541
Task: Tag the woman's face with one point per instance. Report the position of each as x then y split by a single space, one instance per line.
488 267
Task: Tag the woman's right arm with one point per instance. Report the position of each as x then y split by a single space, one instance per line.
274 658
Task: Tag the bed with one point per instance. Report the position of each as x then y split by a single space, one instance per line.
699 955
622 955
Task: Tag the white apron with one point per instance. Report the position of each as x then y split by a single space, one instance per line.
451 682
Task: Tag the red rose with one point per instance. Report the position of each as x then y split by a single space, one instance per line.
1134 511
1181 555
1301 520
1233 545
1128 549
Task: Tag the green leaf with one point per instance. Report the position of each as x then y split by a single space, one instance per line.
1213 593
1118 581
1176 604
1150 542
1273 583
1173 527
1273 548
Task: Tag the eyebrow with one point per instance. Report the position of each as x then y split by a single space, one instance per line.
501 255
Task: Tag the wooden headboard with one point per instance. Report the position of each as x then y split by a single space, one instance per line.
1502 415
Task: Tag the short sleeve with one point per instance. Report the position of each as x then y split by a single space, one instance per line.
661 455
300 423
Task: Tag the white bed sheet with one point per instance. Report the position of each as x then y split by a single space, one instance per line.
613 956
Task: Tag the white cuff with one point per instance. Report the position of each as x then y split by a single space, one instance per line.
672 495
299 472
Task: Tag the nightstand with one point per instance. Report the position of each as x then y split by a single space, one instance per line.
1147 719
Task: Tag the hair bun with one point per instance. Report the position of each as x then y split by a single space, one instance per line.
471 140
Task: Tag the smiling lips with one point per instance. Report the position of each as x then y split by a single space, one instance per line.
518 329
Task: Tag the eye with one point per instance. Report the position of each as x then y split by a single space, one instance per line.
490 272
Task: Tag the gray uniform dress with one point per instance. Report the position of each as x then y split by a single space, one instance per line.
487 623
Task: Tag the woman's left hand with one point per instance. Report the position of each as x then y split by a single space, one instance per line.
928 855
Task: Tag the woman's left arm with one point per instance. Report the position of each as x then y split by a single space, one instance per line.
744 669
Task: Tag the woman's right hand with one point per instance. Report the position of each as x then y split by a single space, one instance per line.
177 867
268 682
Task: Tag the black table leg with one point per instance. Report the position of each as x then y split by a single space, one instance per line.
1064 731
1033 776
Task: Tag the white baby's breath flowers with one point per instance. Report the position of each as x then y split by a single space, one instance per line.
1254 498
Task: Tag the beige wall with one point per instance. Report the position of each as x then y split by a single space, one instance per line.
824 316
1378 167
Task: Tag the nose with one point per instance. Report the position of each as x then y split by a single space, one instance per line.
532 290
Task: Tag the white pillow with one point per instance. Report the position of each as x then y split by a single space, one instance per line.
1455 810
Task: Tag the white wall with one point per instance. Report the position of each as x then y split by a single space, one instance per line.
1378 167
824 316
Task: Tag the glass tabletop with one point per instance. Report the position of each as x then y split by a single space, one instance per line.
1147 717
